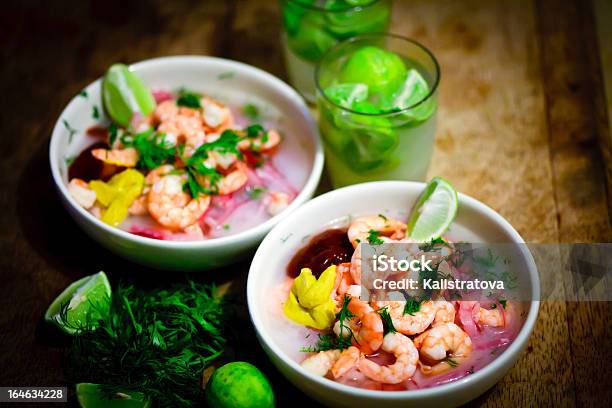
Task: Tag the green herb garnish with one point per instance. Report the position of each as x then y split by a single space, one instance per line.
155 342
153 149
225 75
226 227
83 93
373 238
251 111
387 320
451 362
113 132
189 99
412 306
431 246
256 192
503 302
95 113
70 129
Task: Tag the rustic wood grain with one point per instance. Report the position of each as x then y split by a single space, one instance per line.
516 130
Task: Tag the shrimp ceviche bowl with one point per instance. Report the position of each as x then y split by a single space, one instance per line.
184 162
393 292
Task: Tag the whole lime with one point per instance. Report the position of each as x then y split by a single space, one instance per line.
382 71
239 385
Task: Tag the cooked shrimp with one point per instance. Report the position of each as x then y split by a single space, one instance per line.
120 157
267 141
348 359
166 111
139 206
491 317
360 228
343 280
187 129
82 194
440 343
233 181
445 312
276 203
407 323
406 357
322 362
366 326
217 117
172 207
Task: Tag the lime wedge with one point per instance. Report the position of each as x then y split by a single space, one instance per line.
124 94
88 301
89 396
434 211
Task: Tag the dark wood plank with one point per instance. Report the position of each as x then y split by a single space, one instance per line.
566 35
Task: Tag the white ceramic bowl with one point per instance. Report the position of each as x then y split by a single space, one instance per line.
475 222
228 80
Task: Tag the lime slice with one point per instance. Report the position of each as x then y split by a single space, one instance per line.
89 396
88 301
434 211
382 71
124 94
347 94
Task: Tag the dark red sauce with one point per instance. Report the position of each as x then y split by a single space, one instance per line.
85 166
330 247
98 131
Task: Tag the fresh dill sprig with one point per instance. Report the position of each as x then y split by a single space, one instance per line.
451 362
412 306
387 320
433 245
155 342
344 339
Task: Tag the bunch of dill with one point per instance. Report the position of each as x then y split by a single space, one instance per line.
157 342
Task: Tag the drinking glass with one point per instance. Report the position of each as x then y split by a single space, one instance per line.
395 144
313 26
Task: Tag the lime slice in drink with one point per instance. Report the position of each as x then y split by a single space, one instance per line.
89 396
434 211
86 300
346 95
124 94
382 71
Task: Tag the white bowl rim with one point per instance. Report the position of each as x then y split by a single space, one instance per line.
250 234
486 371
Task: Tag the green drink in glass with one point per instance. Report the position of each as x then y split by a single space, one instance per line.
313 26
377 100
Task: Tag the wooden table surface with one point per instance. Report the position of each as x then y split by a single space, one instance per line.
521 127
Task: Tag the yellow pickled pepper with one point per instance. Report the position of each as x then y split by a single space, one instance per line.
309 302
118 194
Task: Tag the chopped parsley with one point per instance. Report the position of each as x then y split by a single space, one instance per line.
255 193
70 129
251 111
503 302
374 238
83 93
153 150
113 132
95 113
225 75
69 160
188 99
